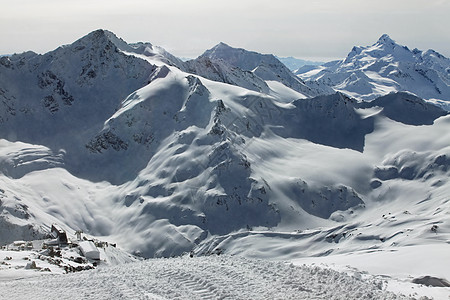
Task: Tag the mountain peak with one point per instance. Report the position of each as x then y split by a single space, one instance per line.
222 45
103 37
386 40
219 49
239 57
99 34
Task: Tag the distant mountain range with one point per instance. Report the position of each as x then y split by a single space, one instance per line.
131 144
294 64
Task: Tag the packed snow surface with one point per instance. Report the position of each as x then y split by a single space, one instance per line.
213 277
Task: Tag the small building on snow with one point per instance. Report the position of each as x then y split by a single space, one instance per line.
59 233
89 250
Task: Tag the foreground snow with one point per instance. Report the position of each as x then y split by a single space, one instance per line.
399 268
213 277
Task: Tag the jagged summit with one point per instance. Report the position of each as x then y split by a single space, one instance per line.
217 51
239 57
384 67
109 41
222 45
98 33
385 39
102 36
103 39
384 46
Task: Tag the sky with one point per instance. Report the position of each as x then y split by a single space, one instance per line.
314 29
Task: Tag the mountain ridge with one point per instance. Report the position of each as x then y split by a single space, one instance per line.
372 71
266 66
133 146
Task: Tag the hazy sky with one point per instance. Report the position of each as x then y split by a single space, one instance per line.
314 29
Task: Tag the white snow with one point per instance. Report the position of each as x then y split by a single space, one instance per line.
385 67
89 250
397 266
213 277
282 92
165 160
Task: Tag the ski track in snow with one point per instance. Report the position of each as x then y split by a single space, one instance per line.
213 277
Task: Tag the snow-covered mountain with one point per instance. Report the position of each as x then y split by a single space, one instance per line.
265 66
384 67
216 155
62 98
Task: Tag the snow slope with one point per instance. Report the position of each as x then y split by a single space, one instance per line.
214 277
218 70
164 162
385 67
398 268
204 173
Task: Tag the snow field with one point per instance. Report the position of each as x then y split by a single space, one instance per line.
241 166
212 277
399 268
